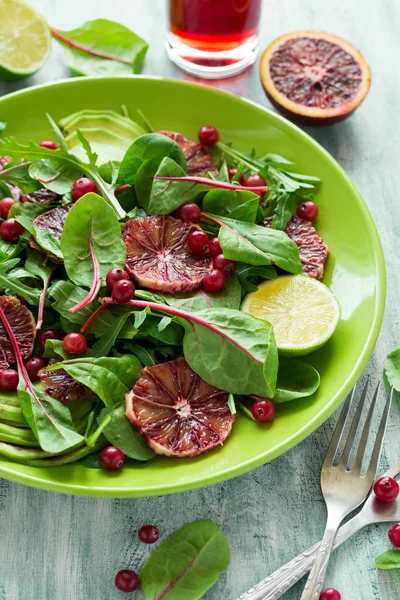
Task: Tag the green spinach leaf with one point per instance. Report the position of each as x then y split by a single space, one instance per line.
55 175
120 433
106 342
199 300
241 205
296 379
19 175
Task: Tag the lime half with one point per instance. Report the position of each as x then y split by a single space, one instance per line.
303 312
24 39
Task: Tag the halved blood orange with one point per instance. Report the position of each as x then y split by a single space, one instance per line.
198 160
177 412
313 77
23 325
60 385
158 255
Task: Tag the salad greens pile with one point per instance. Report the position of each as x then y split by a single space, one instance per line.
59 271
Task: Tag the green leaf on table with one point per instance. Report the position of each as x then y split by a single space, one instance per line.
120 433
241 205
198 300
55 175
392 368
296 379
191 559
102 47
388 560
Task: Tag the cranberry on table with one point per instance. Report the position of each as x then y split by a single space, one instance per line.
307 210
49 334
122 188
214 281
75 343
5 206
148 534
123 291
263 411
127 580
254 181
208 136
9 380
33 366
115 275
48 144
111 458
11 230
330 594
394 535
386 489
198 242
189 212
223 264
83 186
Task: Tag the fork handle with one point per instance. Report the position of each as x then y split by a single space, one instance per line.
315 581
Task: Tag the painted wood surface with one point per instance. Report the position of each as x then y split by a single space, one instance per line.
55 547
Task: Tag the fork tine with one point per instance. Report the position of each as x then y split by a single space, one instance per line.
354 426
339 429
365 433
376 452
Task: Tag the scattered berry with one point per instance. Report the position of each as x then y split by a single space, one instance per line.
394 535
223 264
148 534
9 380
214 248
127 580
189 212
5 205
11 230
115 275
208 136
122 188
49 334
307 210
263 411
123 291
198 242
386 489
111 458
75 343
214 281
330 594
48 144
254 181
83 186
33 366
232 173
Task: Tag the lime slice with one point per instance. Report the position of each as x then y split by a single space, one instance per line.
303 312
24 39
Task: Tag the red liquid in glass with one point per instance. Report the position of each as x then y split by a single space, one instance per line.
214 25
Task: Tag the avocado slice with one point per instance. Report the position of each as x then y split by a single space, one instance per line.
106 144
101 120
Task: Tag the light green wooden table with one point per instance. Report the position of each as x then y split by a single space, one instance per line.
55 547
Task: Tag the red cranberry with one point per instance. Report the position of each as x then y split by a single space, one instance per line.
111 458
307 210
83 186
208 136
9 380
214 281
254 181
115 275
33 366
48 144
394 535
330 594
49 334
11 230
5 206
127 580
386 489
148 534
223 264
214 248
198 242
123 291
189 212
263 411
75 343
232 173
122 188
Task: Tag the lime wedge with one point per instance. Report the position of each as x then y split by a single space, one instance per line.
303 312
24 39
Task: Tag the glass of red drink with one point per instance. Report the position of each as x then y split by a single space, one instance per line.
213 38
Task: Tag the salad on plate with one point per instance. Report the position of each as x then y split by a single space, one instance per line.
151 286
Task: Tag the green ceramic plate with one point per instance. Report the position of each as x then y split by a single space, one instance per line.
356 272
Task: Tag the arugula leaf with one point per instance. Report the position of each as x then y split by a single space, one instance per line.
231 404
102 47
191 559
392 368
8 250
55 175
388 560
10 279
120 433
296 379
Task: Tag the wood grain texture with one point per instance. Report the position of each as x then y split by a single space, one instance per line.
56 547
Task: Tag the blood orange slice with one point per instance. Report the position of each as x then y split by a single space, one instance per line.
313 77
198 160
177 412
158 255
63 387
313 250
23 325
